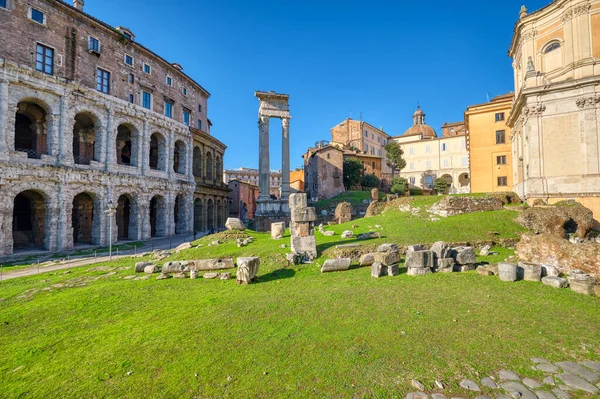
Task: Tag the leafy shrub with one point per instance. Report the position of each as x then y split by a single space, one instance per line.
399 186
370 181
440 186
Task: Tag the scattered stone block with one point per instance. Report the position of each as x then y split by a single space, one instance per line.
247 269
445 265
531 383
507 271
466 268
416 247
172 267
419 259
180 275
550 271
440 250
140 266
548 381
544 395
181 247
556 282
225 276
277 230
343 212
234 224
335 265
416 395
377 270
592 365
151 269
578 369
328 233
193 274
531 271
369 235
393 270
210 275
582 283
298 200
418 384
560 394
485 250
437 396
367 259
347 234
484 271
212 264
464 255
417 271
488 383
387 248
387 258
163 276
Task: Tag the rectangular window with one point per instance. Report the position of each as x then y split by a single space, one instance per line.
37 16
366 134
411 180
411 150
169 109
200 108
445 163
502 181
131 98
500 137
128 60
412 166
147 69
103 81
146 100
93 45
44 59
199 124
184 91
131 78
186 117
3 3
168 81
380 152
499 116
366 148
444 147
378 139
427 149
463 145
501 160
464 161
428 164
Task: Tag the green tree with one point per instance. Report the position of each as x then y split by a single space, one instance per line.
394 157
370 181
353 172
440 186
399 186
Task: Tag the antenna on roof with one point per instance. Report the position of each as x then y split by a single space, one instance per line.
361 116
488 96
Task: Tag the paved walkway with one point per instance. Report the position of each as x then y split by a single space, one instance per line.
157 243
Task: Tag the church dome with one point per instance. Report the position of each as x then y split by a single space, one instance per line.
419 127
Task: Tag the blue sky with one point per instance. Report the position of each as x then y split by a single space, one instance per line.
335 58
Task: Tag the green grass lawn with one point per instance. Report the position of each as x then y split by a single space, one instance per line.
296 333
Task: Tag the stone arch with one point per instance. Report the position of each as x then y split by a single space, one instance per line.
86 146
197 215
220 221
179 157
30 220
126 217
464 180
448 179
158 152
85 217
158 216
32 127
209 166
210 215
218 167
126 145
197 162
179 214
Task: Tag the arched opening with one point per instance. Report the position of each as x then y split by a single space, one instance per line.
158 225
84 139
209 166
179 157
210 216
31 130
448 179
123 216
29 220
126 146
158 158
197 162
82 219
463 180
220 222
197 215
219 167
179 214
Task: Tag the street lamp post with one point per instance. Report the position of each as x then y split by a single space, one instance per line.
110 211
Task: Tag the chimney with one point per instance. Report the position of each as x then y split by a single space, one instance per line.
78 4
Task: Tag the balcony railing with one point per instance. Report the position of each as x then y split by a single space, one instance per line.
81 159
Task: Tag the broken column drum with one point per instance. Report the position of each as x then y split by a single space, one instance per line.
302 226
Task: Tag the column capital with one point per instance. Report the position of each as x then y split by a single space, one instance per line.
285 121
262 120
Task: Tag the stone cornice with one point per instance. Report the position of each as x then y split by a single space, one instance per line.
575 11
588 101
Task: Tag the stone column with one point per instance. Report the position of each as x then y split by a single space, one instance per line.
285 158
3 120
263 158
143 158
108 153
